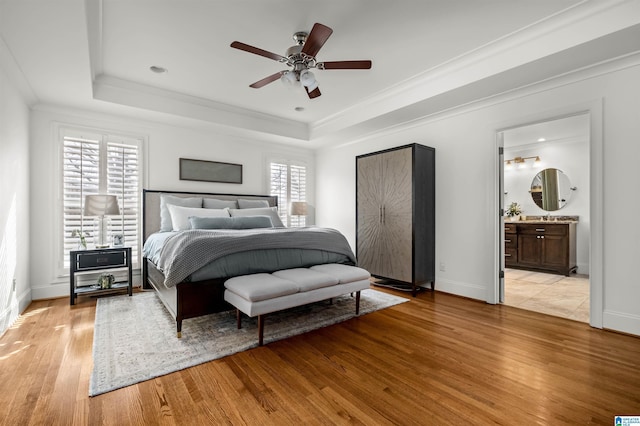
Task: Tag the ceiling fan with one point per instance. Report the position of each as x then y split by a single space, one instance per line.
301 58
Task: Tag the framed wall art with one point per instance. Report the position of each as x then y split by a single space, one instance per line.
210 171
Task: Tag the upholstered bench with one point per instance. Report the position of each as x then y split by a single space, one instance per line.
261 294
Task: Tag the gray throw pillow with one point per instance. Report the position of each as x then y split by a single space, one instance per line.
214 203
165 216
272 212
248 222
252 204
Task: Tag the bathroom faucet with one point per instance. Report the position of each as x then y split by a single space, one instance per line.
548 216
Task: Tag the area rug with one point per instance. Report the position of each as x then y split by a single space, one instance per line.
135 337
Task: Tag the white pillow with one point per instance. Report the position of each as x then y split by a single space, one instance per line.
272 212
166 200
180 215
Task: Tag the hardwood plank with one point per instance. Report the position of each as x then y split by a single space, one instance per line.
437 359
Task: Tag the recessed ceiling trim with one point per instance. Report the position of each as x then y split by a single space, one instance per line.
574 26
124 92
15 74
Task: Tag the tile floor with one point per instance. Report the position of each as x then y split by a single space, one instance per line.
566 297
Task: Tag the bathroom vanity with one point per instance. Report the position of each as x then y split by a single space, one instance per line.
541 245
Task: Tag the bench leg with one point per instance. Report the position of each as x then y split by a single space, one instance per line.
239 318
260 329
357 302
179 328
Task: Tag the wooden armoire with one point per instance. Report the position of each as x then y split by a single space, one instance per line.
395 217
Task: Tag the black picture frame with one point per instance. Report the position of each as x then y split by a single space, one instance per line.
210 171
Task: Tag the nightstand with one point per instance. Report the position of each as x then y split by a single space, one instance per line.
91 261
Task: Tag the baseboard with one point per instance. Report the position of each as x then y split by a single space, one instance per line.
472 291
620 321
15 308
583 268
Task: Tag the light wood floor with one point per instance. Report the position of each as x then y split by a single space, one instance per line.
436 360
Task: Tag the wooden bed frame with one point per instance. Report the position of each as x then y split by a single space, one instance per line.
186 299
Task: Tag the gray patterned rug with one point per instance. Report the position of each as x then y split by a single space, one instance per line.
135 339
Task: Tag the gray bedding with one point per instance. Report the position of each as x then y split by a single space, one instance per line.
196 255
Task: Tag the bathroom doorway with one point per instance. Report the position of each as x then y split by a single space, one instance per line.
545 186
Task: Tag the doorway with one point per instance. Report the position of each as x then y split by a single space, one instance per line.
558 148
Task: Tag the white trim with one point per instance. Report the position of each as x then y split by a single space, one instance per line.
596 199
474 291
104 136
15 74
17 306
555 82
621 321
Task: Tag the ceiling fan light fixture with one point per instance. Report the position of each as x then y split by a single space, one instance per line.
289 79
308 80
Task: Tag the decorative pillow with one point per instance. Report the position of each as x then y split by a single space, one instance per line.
166 200
248 222
272 212
180 215
213 203
252 204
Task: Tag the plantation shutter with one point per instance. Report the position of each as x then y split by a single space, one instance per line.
81 176
100 164
289 183
297 191
123 181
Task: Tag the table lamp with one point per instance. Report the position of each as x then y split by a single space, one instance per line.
101 206
298 208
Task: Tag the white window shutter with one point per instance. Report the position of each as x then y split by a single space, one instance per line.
100 164
289 183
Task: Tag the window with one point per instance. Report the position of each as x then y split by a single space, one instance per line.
100 164
289 183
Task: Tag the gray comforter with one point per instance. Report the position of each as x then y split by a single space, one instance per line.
188 251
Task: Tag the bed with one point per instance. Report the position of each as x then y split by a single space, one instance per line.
188 267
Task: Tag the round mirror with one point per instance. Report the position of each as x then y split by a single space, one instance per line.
551 189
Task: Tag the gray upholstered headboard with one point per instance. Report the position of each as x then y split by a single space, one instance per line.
151 205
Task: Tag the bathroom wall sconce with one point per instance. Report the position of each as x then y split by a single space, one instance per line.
520 162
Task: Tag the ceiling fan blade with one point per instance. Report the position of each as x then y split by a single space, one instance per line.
260 83
344 65
314 93
316 39
258 51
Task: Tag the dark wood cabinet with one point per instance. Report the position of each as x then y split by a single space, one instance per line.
395 202
547 247
510 245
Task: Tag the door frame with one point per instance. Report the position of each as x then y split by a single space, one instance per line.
596 202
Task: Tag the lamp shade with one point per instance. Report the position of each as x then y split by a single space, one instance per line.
101 205
298 208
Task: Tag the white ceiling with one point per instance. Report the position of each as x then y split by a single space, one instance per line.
427 55
564 129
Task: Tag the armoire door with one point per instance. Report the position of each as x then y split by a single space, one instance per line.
385 214
369 211
397 215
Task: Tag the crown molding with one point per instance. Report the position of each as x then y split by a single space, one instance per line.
123 92
576 25
15 74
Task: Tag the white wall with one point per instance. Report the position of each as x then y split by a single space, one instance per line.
466 175
14 207
164 146
570 156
